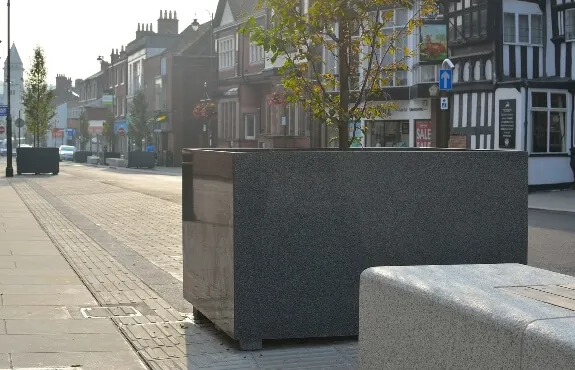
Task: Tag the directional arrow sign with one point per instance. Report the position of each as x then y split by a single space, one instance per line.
3 110
445 79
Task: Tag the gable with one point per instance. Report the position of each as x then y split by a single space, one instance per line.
227 16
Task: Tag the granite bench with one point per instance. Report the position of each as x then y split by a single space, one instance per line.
505 316
92 159
116 162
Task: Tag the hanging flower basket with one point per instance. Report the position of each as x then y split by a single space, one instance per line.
277 98
205 110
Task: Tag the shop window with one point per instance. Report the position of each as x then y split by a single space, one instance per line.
388 133
548 122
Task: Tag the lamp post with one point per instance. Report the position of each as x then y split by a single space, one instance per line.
101 60
9 169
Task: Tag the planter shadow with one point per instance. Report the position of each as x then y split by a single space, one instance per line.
139 159
37 161
274 241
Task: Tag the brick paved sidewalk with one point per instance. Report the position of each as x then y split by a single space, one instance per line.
41 302
127 247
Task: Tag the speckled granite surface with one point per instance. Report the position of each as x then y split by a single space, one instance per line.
458 317
275 241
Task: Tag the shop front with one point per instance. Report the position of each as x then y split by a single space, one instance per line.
409 125
540 122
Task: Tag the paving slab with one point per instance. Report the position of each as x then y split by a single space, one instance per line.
34 312
119 360
44 279
13 343
4 361
81 299
38 262
47 273
70 326
6 264
42 289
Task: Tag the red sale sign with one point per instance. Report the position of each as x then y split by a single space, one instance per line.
423 134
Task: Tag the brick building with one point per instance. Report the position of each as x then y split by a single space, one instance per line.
173 87
247 82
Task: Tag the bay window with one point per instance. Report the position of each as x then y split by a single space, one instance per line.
548 122
394 30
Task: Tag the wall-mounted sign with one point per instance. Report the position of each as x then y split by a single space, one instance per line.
507 123
433 39
107 99
423 134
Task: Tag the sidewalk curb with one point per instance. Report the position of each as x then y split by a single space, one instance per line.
132 169
553 210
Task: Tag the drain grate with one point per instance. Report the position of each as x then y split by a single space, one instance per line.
108 312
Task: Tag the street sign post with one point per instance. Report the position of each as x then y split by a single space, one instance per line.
121 131
445 79
444 103
3 110
2 130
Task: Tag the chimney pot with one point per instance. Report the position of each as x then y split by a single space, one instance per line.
170 15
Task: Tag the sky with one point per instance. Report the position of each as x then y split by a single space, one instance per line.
74 33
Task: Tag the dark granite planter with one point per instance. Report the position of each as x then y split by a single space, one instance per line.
141 159
81 156
274 242
37 160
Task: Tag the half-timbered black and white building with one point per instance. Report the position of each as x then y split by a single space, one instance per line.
513 80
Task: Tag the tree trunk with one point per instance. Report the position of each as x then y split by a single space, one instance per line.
343 56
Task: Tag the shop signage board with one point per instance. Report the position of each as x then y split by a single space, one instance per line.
507 123
423 131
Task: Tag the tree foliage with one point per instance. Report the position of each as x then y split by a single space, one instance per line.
138 119
37 97
363 37
84 130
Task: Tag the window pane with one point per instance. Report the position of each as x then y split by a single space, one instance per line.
483 21
475 24
557 132
523 28
539 137
558 101
401 17
536 30
570 24
467 24
509 27
539 100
